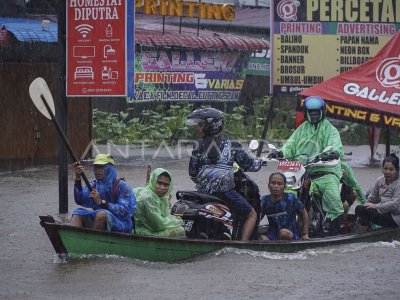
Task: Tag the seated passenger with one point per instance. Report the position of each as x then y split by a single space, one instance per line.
111 200
152 216
349 179
348 196
351 191
383 204
281 209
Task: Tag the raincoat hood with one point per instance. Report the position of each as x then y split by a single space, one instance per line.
153 179
105 186
152 216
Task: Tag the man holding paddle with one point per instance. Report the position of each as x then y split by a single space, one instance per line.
111 199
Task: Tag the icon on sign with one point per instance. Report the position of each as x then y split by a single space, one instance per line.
109 31
83 72
84 51
84 29
108 50
108 74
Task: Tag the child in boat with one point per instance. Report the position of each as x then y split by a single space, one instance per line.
281 209
152 216
383 204
111 200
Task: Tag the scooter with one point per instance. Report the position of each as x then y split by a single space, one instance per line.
208 217
204 216
299 182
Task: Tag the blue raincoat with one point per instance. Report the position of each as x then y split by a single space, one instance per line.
119 196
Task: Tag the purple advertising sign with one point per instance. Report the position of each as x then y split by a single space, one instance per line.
178 75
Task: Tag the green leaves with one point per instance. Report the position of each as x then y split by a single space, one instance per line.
153 126
167 122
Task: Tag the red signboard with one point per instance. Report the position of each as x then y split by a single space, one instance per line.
368 93
96 48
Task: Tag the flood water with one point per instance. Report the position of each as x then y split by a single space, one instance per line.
31 270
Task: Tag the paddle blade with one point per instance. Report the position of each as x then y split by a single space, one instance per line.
37 89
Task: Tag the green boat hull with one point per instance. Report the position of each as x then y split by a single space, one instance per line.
76 242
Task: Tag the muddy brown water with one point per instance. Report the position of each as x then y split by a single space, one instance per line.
30 269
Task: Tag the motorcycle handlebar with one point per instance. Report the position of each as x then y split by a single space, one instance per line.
266 159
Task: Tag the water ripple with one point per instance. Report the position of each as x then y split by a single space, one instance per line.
302 255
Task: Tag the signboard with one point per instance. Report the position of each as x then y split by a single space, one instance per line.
98 36
359 115
179 75
368 93
259 64
316 40
189 9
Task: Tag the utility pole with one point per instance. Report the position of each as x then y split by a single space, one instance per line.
266 124
62 109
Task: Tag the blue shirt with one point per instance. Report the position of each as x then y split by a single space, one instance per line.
281 214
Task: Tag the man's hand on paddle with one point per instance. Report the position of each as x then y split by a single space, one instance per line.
95 195
78 169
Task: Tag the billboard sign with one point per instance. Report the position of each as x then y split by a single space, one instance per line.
99 33
179 75
316 40
259 64
369 93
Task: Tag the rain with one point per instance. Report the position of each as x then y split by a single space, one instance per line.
125 86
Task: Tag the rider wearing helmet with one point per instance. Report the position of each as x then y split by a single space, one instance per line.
211 165
314 109
212 119
308 140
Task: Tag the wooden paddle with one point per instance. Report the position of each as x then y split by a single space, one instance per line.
43 100
148 174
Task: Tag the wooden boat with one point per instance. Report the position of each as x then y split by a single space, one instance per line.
74 242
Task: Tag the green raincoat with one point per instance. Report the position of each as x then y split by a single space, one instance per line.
303 145
350 180
152 215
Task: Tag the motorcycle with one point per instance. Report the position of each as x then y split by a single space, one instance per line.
206 216
300 182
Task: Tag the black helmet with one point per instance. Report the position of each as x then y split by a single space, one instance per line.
213 118
314 109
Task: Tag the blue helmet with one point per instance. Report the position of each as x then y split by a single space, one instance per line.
314 109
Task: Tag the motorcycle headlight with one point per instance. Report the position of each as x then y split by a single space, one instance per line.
290 182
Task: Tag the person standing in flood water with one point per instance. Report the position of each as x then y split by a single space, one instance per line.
112 200
373 140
